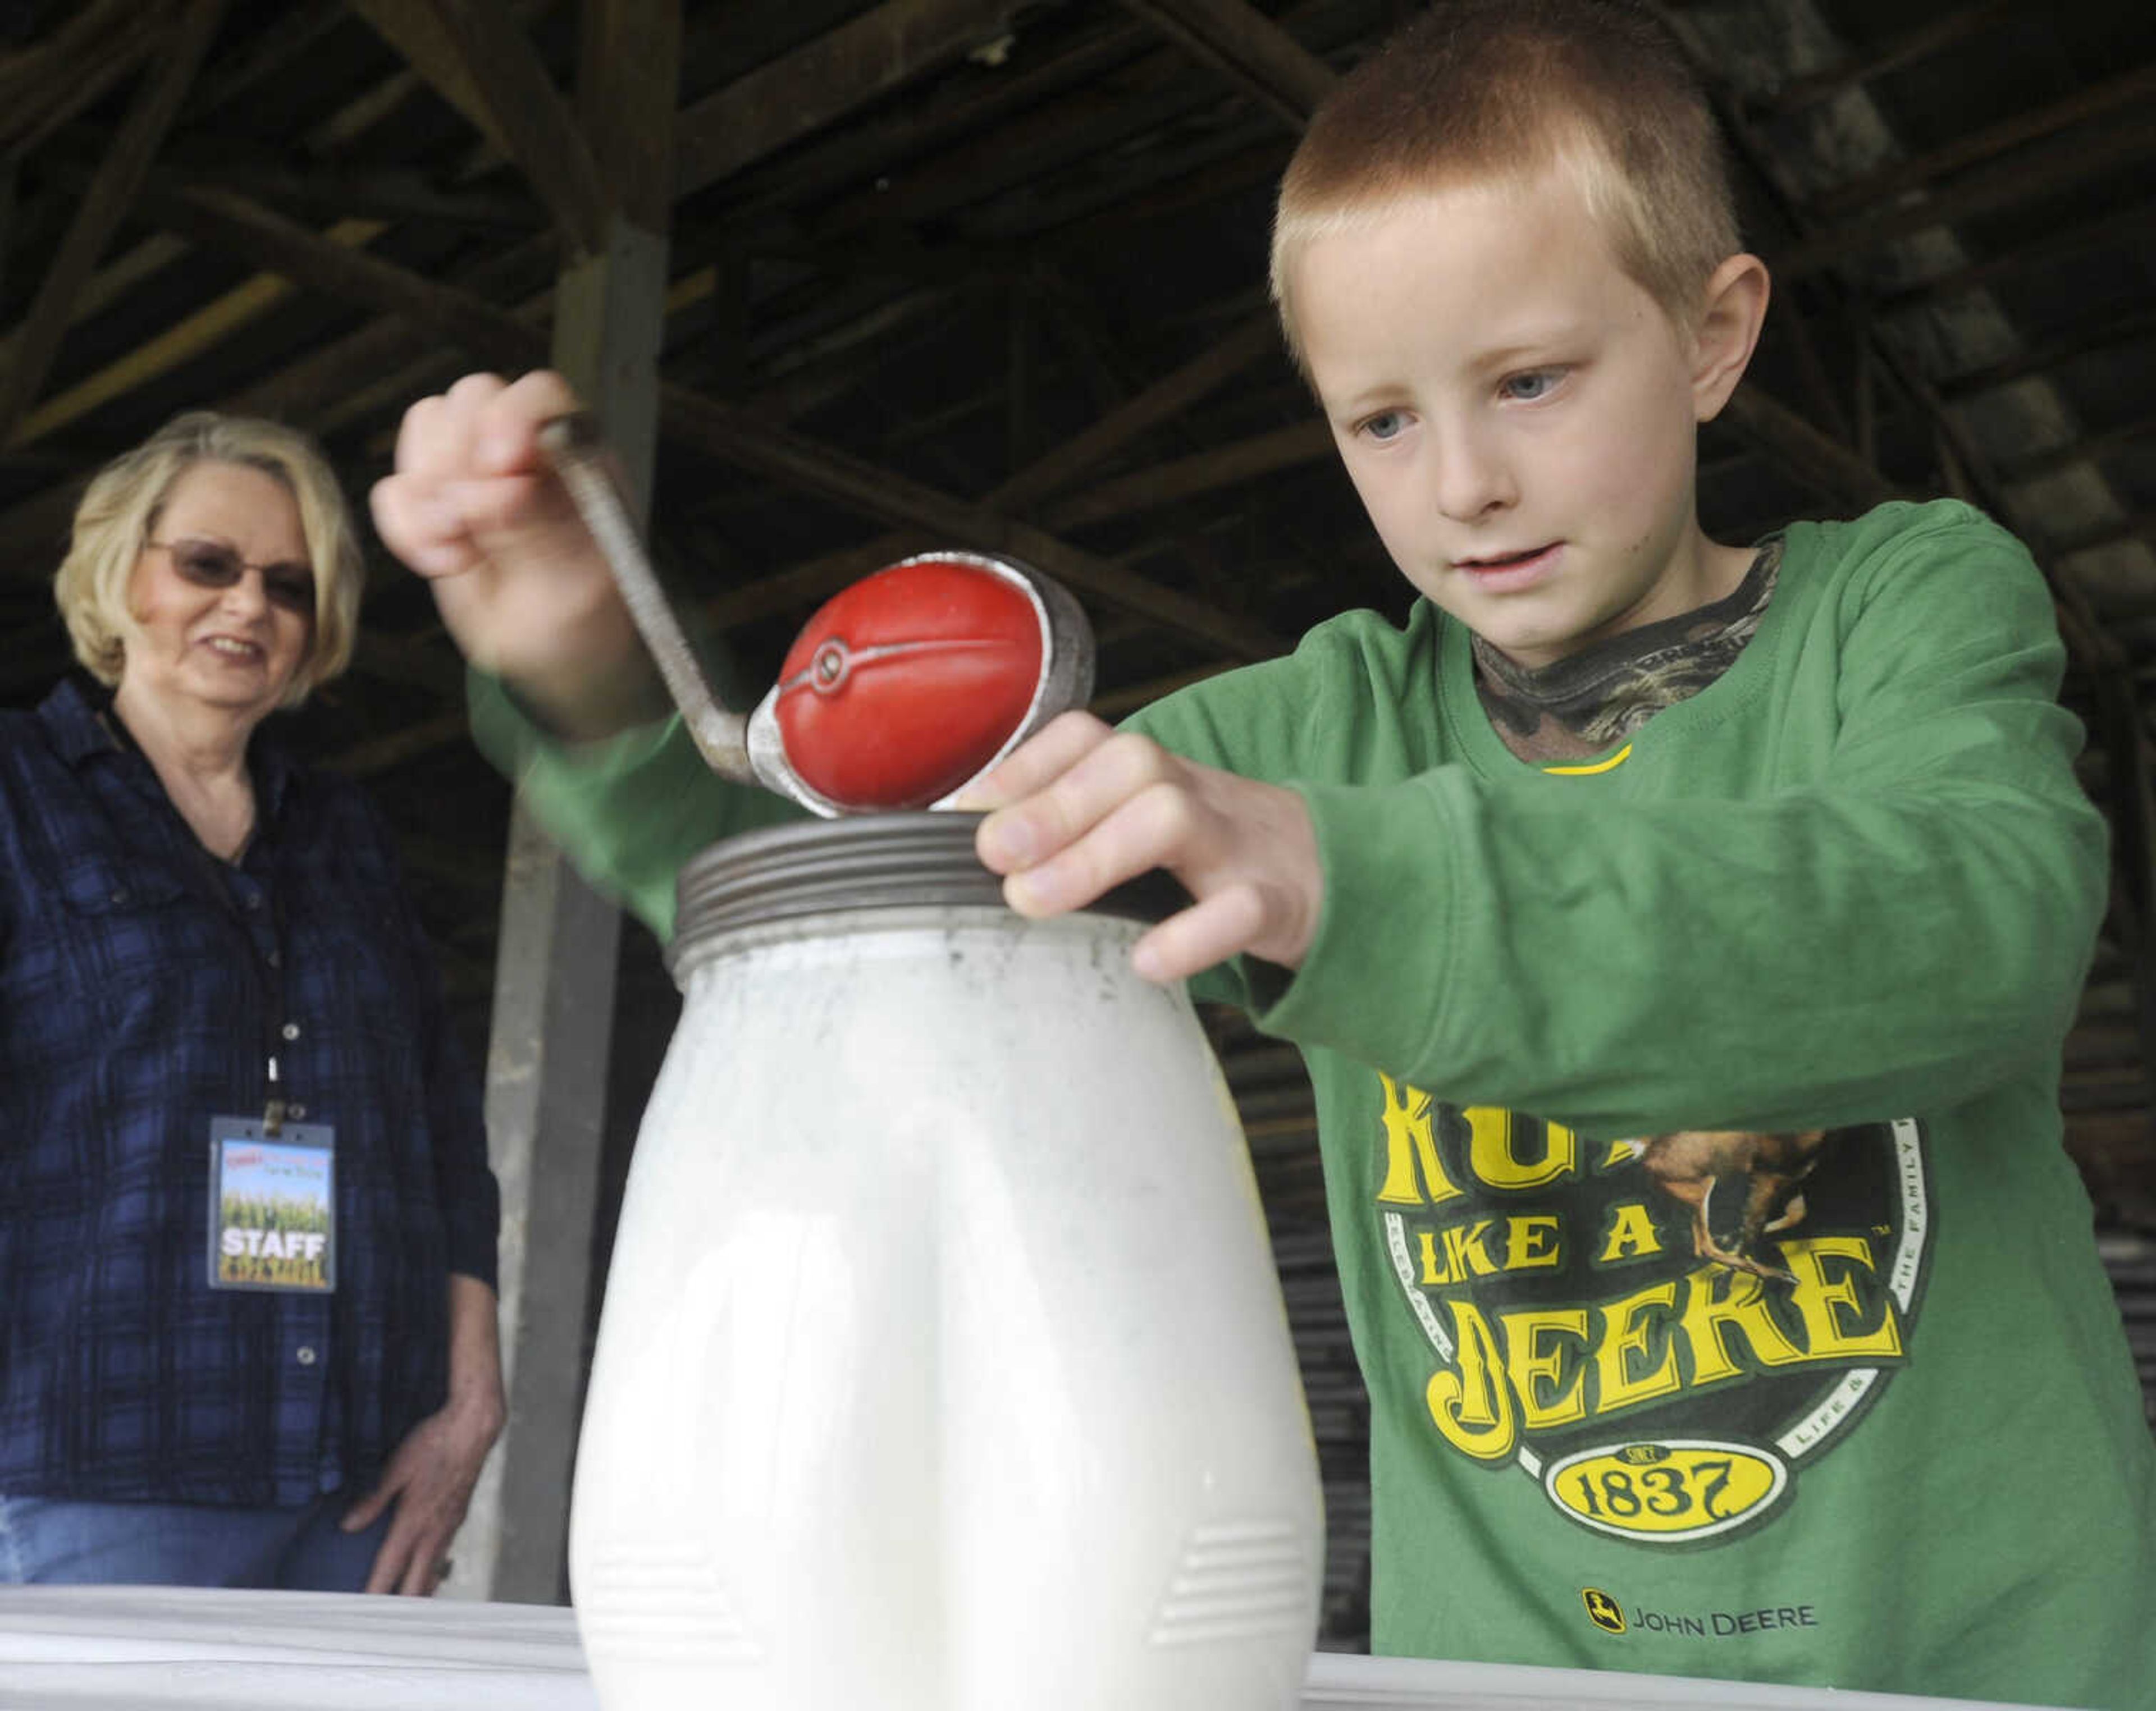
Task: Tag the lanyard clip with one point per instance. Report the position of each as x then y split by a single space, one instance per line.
273 1108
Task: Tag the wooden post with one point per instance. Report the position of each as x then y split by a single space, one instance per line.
555 979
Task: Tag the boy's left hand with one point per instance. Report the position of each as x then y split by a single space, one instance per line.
1081 807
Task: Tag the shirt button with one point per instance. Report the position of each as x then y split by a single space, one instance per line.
120 896
275 960
297 1110
254 899
306 1357
291 1030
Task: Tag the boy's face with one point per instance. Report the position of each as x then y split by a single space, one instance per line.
1518 413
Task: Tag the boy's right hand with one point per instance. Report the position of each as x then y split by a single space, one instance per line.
1079 808
520 586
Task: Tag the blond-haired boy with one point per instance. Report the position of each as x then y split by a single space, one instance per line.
1773 1345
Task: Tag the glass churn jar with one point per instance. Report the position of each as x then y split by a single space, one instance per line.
944 1365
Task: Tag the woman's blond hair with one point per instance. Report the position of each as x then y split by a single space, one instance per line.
119 515
1506 89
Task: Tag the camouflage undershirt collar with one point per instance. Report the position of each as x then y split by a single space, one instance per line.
1581 704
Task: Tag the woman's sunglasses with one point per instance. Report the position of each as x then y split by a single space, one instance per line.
211 564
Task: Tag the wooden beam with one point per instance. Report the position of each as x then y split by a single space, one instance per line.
263 52
1248 344
904 130
1813 460
327 387
1204 471
735 436
2139 526
2114 228
494 336
268 49
2037 359
1256 54
49 83
328 193
812 580
556 962
2133 91
1953 26
2070 163
106 203
1087 123
42 518
415 29
824 79
220 220
629 70
380 754
2086 449
530 117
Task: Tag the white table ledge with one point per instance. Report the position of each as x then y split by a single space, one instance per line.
143 1649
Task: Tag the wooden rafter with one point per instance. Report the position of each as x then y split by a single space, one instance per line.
901 132
2058 167
111 192
1203 472
49 84
1905 49
628 101
329 192
1816 461
494 336
2082 450
1294 81
867 490
1053 472
1255 54
481 59
220 220
1169 397
2132 91
2113 333
801 91
415 29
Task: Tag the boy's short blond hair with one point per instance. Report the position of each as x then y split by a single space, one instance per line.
119 515
1483 90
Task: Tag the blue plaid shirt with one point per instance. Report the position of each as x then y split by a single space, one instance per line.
137 980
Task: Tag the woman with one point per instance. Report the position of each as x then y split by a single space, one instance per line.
247 1226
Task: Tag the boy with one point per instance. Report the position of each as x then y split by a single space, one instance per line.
1771 1344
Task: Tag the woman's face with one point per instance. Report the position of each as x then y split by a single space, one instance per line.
224 593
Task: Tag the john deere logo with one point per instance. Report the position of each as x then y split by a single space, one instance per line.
1602 1611
1662 1332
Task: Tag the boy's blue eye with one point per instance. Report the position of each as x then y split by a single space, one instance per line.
1385 425
1535 384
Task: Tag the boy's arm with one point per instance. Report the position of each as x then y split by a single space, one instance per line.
587 734
1909 931
1906 930
628 810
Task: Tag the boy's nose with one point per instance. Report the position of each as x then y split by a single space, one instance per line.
1472 480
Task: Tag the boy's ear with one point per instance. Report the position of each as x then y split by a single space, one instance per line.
1735 309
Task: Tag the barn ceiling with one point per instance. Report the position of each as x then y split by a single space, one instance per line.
989 272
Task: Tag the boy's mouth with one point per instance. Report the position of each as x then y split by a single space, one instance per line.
1502 561
1501 570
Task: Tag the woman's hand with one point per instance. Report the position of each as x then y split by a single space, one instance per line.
1079 808
522 586
431 1476
430 1479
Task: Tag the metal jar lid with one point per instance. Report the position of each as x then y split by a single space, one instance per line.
862 862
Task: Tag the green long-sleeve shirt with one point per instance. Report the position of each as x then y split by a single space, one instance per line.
1773 1346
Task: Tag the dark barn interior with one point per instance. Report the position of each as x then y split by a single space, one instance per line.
990 273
